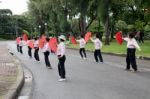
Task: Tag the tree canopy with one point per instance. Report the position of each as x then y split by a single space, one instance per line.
77 17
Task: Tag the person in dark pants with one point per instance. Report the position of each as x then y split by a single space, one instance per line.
141 35
82 47
61 67
20 46
62 58
36 47
131 49
98 46
17 42
46 51
29 48
30 52
97 55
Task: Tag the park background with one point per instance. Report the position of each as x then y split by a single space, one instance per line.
76 17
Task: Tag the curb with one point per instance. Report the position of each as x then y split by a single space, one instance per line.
17 86
122 55
26 92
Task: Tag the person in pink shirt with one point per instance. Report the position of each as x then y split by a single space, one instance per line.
98 46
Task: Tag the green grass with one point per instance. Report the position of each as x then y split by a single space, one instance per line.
1 39
114 47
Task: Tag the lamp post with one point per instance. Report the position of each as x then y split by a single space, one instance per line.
39 30
35 32
16 28
46 31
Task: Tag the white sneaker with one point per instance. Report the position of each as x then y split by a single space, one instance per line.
81 57
49 67
84 58
62 79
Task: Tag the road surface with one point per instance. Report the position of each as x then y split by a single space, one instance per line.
87 79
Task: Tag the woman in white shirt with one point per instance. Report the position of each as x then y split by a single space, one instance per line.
61 57
36 47
131 49
98 46
82 47
46 51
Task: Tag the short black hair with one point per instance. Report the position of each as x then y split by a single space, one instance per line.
62 40
82 36
47 39
29 38
20 38
131 35
97 35
35 38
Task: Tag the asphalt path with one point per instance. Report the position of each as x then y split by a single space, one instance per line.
87 79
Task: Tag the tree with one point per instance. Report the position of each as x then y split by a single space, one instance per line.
5 21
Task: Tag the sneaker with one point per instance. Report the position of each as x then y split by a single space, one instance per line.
101 62
127 70
49 67
38 61
135 71
62 79
84 58
96 61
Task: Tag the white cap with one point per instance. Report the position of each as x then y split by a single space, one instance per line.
62 37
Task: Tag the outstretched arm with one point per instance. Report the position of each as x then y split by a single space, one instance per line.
91 39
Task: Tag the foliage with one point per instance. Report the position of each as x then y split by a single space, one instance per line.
5 21
130 27
78 17
13 24
121 25
139 25
94 27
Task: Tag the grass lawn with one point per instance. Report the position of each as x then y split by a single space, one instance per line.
1 39
114 47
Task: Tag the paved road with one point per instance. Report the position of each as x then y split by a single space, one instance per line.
87 79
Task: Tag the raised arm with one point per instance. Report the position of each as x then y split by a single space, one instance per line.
92 40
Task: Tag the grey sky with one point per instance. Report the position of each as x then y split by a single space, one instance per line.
17 6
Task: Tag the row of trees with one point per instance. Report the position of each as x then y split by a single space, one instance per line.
80 16
13 24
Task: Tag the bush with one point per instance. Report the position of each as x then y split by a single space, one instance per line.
7 36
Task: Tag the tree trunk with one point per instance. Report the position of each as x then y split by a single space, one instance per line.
41 24
65 15
112 32
107 32
82 24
